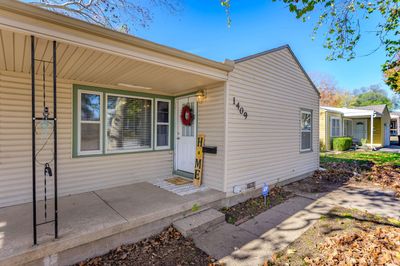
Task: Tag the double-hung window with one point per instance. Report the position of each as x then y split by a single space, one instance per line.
335 127
163 111
90 122
306 130
117 123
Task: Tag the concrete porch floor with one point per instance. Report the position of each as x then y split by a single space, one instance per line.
93 216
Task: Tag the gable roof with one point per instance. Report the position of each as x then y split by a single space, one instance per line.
379 108
286 46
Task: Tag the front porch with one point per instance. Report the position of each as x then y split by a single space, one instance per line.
367 127
91 223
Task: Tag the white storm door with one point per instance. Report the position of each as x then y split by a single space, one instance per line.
185 136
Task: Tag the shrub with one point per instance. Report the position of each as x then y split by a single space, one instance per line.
342 143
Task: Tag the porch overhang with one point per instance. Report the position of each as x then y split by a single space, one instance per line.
361 114
96 55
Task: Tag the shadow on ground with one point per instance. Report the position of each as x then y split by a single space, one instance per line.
252 242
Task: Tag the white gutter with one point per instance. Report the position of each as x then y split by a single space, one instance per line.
31 20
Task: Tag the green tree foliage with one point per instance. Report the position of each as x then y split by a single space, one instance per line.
372 95
342 21
392 74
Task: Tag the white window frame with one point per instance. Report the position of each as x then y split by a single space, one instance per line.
310 131
167 147
79 111
331 126
106 150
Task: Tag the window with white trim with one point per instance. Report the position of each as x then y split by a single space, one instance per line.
90 122
306 130
128 123
335 127
163 110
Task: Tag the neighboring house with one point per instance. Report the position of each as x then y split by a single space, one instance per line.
120 100
368 125
395 126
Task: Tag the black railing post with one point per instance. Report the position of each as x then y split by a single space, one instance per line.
33 140
55 138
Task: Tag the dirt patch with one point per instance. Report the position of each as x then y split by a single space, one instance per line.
322 181
244 211
357 173
167 248
345 237
348 166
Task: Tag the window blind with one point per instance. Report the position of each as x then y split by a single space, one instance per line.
129 123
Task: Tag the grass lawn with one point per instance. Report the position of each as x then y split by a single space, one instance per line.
345 237
375 157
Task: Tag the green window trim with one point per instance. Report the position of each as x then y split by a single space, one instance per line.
105 91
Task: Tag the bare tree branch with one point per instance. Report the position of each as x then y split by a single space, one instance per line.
122 15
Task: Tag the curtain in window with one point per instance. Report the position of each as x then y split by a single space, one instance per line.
128 123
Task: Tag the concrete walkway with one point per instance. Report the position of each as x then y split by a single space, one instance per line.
392 149
92 223
257 239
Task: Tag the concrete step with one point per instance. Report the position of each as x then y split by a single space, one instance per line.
199 222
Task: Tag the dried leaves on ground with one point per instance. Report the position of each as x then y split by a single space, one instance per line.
167 248
387 176
369 246
345 237
244 211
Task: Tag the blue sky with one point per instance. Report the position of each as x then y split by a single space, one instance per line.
201 28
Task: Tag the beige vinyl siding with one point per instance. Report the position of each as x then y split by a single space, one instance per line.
265 147
75 174
211 123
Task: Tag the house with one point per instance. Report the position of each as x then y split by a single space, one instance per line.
88 114
395 127
367 125
120 110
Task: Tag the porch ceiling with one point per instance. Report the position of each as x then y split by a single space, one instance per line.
85 65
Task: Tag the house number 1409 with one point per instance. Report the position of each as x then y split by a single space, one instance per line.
240 108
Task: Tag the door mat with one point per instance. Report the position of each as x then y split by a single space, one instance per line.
177 180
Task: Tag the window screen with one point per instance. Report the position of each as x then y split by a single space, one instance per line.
129 123
306 130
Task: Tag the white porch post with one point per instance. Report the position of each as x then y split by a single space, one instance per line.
372 130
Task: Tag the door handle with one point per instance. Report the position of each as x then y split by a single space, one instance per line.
178 138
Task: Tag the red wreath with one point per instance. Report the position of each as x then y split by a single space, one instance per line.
186 115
